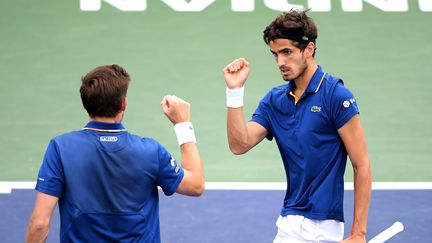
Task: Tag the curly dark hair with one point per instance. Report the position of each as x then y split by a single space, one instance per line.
293 25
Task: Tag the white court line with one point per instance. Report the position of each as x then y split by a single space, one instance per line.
8 186
348 185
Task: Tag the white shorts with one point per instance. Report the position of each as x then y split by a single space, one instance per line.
298 229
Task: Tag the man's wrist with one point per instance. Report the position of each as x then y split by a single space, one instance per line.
234 97
184 132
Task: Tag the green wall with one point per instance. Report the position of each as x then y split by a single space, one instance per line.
46 46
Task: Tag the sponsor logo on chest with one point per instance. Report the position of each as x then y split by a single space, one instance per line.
316 108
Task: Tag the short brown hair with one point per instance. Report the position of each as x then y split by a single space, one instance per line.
103 89
293 25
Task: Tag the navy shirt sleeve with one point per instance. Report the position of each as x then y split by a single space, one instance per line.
261 117
344 105
51 177
170 173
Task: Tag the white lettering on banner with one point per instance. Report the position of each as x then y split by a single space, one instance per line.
184 6
314 5
384 5
243 5
425 5
123 5
281 5
320 5
249 5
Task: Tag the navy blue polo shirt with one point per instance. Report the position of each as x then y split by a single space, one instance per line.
312 151
106 180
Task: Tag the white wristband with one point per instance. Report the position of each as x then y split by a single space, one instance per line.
234 97
184 132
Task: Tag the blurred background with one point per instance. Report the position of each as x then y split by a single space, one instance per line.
384 57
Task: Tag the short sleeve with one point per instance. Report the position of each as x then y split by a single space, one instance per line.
261 117
344 105
51 177
170 173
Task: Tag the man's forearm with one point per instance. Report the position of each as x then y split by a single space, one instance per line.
191 161
362 193
37 233
237 131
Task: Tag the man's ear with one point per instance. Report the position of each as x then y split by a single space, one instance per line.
124 104
310 49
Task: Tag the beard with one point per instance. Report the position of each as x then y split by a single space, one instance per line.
294 73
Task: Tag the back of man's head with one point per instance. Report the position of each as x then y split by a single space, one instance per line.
103 90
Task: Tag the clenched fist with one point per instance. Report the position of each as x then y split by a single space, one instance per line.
176 109
236 73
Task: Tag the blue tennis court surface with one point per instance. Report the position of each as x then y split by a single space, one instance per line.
240 215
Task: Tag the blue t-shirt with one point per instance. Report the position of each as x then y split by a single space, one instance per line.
106 180
312 151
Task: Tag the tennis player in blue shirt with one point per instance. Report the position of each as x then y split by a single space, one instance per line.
315 122
105 179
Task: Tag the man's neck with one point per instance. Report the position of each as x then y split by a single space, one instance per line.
116 119
303 81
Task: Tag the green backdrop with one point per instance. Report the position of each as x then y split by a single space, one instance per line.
46 46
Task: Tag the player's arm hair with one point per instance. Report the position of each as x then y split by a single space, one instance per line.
193 181
40 219
355 144
242 136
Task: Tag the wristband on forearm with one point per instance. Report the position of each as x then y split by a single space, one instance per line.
184 132
234 97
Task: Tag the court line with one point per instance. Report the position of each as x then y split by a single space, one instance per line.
8 186
427 185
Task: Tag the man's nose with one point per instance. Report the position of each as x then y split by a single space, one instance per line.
280 61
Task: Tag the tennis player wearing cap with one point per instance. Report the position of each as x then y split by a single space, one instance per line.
104 178
315 121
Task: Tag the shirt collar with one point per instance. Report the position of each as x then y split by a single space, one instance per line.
105 126
314 84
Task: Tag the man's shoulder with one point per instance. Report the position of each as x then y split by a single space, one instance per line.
277 90
333 80
147 142
334 84
84 135
68 135
280 88
143 139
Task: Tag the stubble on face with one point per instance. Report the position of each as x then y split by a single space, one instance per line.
290 60
296 69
